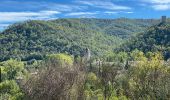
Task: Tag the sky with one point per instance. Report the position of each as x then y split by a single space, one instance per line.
13 11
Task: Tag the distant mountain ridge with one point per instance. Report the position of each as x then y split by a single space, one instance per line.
34 39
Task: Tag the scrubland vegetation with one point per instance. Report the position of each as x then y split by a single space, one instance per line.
129 76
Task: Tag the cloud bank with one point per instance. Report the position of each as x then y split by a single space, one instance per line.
103 5
159 4
20 16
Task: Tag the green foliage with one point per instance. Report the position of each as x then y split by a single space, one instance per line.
92 77
148 78
156 38
137 55
12 69
61 59
34 39
116 57
9 90
123 98
122 56
49 44
109 56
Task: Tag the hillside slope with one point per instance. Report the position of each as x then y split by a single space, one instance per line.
156 38
34 39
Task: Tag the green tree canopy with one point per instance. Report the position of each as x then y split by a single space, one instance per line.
12 69
61 59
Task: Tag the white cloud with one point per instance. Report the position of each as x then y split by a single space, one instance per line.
39 5
93 14
130 12
87 16
81 13
20 16
117 12
66 8
110 12
159 4
158 1
161 7
7 18
104 5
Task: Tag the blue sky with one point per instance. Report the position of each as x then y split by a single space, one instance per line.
12 11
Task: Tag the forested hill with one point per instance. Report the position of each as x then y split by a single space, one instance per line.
34 39
156 38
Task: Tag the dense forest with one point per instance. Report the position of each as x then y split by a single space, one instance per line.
34 39
85 59
155 38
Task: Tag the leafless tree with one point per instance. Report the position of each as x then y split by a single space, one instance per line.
56 83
